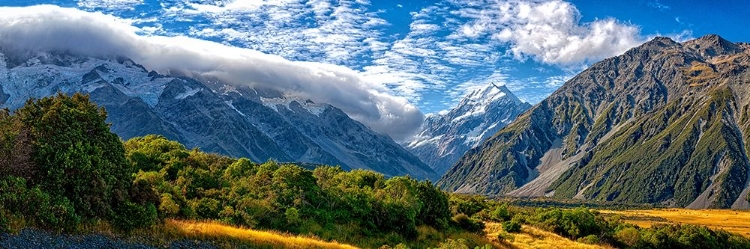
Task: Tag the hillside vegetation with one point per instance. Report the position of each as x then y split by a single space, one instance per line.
59 156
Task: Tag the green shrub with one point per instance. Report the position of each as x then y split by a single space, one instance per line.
511 226
575 223
628 236
131 215
501 213
589 239
505 236
463 221
292 216
453 244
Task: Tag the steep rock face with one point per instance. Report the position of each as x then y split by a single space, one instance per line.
444 138
215 117
665 122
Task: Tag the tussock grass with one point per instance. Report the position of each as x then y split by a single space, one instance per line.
532 237
729 220
699 73
216 231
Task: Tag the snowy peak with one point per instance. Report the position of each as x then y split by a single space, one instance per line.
479 101
490 93
445 137
289 102
47 73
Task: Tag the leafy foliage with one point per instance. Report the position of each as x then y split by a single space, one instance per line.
192 184
60 157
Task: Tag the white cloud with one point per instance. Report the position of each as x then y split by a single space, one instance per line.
54 28
447 42
109 4
547 31
658 5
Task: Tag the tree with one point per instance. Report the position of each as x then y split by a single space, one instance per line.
435 209
75 153
15 147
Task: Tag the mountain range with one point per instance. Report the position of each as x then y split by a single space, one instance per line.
445 137
239 121
665 122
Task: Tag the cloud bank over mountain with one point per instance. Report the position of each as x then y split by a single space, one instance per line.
52 28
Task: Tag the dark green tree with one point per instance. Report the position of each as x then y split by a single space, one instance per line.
76 155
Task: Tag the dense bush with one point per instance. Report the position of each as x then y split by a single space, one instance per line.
197 185
58 155
467 223
572 223
512 226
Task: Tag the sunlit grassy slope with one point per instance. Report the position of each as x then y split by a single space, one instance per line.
729 220
218 231
531 237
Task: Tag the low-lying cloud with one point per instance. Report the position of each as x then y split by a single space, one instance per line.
52 28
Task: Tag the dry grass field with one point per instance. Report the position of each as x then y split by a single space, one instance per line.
215 230
729 220
531 237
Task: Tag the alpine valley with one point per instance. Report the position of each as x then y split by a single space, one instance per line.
259 124
664 123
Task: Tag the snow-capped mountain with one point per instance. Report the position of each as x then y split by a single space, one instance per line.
240 121
444 138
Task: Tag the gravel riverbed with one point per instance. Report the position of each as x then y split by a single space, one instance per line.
35 238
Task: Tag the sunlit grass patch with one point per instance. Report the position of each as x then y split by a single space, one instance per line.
217 231
729 220
532 237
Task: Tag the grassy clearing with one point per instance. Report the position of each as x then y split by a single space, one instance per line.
729 220
532 237
215 231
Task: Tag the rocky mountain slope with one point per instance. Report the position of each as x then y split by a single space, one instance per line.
665 122
238 121
444 138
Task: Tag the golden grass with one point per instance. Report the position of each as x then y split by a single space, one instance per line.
217 230
728 220
532 237
699 73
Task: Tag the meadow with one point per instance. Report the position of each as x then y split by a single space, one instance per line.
734 221
532 237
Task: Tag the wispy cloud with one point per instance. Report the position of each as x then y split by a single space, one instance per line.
658 5
109 4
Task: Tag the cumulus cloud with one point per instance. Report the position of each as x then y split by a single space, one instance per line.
96 34
549 31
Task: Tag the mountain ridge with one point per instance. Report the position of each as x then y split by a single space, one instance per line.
209 116
592 137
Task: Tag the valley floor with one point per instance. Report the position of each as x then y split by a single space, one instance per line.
734 221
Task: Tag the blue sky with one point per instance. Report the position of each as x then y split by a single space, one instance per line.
433 52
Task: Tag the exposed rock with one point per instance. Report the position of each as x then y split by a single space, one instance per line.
445 138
